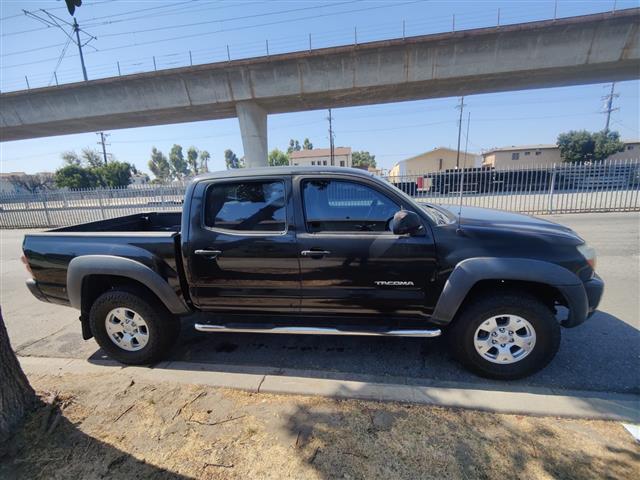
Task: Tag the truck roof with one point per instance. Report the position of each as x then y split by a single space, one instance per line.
286 170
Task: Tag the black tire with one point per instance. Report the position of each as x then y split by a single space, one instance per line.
163 327
462 334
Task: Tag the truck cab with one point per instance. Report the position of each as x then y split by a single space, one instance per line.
332 251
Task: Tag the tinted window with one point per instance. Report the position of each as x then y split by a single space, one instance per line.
246 206
339 206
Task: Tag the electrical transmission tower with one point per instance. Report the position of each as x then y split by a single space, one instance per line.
608 106
103 137
73 35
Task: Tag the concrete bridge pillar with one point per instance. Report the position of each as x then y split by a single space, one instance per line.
253 128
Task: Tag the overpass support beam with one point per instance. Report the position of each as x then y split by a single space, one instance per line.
253 128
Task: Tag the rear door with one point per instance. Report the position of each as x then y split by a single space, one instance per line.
242 255
351 263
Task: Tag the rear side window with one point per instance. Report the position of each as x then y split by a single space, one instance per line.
246 206
344 206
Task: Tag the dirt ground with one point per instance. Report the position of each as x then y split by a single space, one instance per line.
104 426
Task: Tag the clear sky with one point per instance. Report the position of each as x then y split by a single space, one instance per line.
132 32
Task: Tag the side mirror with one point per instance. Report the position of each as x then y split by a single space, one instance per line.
405 222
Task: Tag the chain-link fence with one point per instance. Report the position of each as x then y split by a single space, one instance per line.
612 186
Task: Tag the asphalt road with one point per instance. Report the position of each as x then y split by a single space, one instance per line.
601 355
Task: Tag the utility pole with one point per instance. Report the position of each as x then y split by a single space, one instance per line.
76 28
609 105
103 137
51 20
461 107
331 146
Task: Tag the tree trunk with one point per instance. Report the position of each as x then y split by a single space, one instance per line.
16 395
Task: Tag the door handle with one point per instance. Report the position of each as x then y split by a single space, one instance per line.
314 253
208 253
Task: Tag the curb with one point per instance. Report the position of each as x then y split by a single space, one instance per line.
533 401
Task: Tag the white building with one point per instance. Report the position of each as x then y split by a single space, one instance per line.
322 157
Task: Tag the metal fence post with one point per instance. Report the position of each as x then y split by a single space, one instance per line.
99 192
551 188
46 209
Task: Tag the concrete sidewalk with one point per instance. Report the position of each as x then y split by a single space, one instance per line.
525 401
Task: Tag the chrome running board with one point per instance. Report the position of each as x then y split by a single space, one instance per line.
204 327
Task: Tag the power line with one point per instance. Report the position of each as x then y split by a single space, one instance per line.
245 27
230 19
55 21
54 8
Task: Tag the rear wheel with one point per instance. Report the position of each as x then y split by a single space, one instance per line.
505 336
132 328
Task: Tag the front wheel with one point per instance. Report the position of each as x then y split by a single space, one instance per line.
131 327
505 336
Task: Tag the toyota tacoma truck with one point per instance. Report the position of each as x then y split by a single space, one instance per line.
333 251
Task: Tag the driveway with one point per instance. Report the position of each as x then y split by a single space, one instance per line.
600 355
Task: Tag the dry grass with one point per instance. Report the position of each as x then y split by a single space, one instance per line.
109 428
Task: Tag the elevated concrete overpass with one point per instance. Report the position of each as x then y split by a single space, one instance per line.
577 50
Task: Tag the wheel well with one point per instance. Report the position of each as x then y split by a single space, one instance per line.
95 285
547 294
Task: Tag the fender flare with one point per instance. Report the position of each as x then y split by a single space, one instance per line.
83 266
470 271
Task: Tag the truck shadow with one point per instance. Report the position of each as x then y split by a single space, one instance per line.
63 450
598 355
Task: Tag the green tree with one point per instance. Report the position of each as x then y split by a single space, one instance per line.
192 160
91 158
278 158
71 158
581 145
307 145
114 174
32 183
231 160
159 166
179 167
88 158
204 161
363 160
75 176
294 146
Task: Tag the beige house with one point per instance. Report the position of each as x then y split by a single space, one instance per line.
440 158
528 155
631 151
322 157
517 156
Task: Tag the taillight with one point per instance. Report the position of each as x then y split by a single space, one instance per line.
26 264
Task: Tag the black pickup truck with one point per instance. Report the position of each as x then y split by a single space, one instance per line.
321 251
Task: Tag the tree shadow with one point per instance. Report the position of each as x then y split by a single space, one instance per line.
371 440
50 446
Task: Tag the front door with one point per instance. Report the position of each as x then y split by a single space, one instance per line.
351 263
242 254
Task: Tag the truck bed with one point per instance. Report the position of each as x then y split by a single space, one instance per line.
149 238
139 222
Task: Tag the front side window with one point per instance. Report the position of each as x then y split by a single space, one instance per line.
344 206
246 206
515 156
